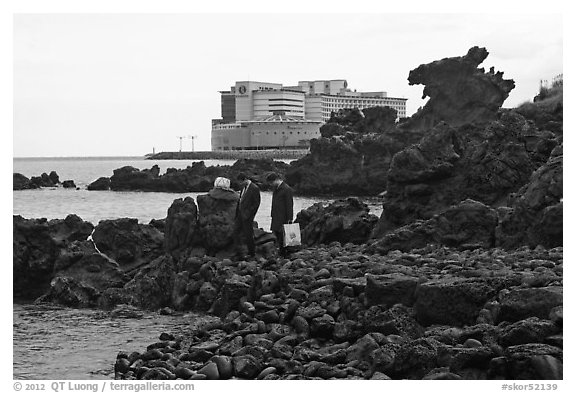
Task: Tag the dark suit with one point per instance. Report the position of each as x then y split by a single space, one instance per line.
282 210
245 212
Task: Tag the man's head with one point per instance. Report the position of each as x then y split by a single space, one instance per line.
242 179
273 179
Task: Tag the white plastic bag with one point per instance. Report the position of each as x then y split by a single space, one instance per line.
292 235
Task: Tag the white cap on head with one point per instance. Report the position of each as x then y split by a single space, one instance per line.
222 182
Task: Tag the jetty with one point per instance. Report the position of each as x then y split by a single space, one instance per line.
230 154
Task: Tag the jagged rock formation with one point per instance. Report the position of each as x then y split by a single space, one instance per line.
460 92
357 164
37 244
127 242
350 165
535 216
195 178
344 221
81 275
451 164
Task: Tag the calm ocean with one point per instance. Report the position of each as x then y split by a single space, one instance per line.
63 343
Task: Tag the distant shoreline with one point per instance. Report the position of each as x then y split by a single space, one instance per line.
228 154
78 158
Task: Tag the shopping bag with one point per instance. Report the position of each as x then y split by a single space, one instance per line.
292 235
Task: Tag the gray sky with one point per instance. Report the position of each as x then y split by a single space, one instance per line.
121 84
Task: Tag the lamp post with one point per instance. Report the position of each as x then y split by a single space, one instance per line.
192 137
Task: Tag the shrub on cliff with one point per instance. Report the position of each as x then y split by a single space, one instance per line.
547 109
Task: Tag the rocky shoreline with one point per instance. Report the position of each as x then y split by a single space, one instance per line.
460 278
332 310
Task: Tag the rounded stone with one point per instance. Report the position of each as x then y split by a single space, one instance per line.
267 371
472 343
210 370
122 365
224 364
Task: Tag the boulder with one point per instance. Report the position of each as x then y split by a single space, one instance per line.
345 221
526 331
101 184
68 184
21 182
54 178
468 225
152 287
390 289
82 262
452 301
127 242
37 244
180 230
45 180
216 222
69 292
398 320
415 358
533 361
522 303
81 274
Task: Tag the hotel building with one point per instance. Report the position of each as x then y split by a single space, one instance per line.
260 115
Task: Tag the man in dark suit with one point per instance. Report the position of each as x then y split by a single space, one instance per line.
282 208
246 211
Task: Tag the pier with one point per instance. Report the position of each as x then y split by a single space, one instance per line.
229 154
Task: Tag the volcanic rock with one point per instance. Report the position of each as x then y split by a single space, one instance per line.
460 92
483 163
181 225
468 225
452 301
127 242
523 303
21 182
216 219
345 221
101 184
536 214
37 244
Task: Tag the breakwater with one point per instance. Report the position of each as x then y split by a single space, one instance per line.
228 155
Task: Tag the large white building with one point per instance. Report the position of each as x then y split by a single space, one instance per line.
258 115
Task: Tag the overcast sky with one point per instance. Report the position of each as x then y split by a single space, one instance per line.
121 84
